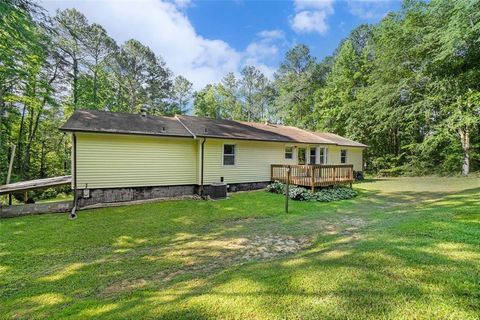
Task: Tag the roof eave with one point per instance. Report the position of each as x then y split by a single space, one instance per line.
151 134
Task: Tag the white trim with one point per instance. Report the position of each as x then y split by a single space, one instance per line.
234 155
310 154
325 155
346 156
285 152
183 124
298 153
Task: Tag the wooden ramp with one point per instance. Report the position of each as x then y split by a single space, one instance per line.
23 186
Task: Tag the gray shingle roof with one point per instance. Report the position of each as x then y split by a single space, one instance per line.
115 122
189 126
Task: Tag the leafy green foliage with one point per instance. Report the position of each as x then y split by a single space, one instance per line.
51 66
302 194
276 187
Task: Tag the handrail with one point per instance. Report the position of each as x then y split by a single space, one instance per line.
317 175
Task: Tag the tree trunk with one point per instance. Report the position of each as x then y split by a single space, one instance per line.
465 140
75 76
20 140
95 89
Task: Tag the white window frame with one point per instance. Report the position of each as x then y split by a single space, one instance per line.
298 154
346 156
310 155
292 153
234 154
325 155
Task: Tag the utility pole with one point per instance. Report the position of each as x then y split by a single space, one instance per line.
287 189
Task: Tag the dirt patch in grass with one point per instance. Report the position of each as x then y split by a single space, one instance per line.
224 253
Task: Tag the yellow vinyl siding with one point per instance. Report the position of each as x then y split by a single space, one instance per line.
252 160
110 161
354 156
113 161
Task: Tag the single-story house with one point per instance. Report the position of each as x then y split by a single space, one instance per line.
123 157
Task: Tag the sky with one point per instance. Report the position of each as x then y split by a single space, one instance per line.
204 40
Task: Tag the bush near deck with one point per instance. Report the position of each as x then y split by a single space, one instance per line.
302 194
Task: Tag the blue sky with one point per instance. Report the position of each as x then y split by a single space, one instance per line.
203 40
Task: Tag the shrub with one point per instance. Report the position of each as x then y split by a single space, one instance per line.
302 194
48 194
334 194
276 187
298 193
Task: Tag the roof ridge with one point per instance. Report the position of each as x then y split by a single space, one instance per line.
123 113
185 126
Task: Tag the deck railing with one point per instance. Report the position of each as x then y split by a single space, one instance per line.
313 175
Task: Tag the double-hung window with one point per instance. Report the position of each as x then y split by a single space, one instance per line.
313 155
228 154
302 155
323 155
343 156
289 152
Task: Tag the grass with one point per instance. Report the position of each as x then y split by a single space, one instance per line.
404 248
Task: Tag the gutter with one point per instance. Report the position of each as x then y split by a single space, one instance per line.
73 214
201 168
202 157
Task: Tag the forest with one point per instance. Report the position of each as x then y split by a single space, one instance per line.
408 87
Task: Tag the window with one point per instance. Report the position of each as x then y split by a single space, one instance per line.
301 155
323 155
228 154
289 153
343 156
313 155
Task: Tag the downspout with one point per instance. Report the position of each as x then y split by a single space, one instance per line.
201 167
73 214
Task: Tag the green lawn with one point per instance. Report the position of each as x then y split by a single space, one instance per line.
404 248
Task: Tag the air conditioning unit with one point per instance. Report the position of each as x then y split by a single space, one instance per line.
218 191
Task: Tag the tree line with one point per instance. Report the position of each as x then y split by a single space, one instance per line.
52 66
408 86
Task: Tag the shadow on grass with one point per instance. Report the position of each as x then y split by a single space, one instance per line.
413 250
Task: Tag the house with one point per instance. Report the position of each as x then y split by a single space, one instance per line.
123 157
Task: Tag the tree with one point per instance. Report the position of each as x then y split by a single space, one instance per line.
295 84
99 50
206 103
142 79
181 96
71 25
255 94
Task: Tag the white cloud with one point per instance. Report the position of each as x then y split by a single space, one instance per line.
166 29
183 3
368 9
310 21
271 34
311 16
265 49
314 5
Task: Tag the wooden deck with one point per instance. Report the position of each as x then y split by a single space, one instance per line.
313 176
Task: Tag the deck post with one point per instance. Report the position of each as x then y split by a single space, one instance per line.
334 175
312 177
287 189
